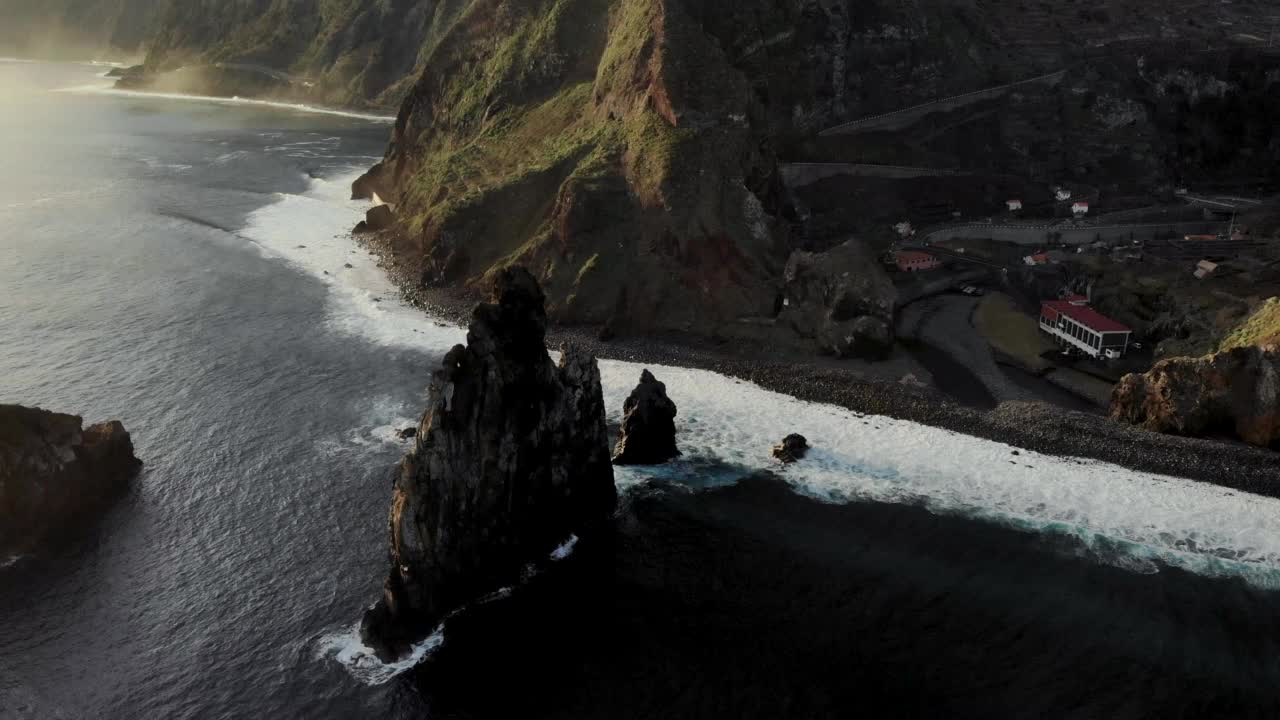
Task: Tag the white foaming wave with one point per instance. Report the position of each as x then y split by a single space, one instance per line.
347 647
565 549
349 650
11 561
731 424
1197 526
110 89
311 232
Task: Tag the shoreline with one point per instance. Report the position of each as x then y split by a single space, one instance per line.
1037 426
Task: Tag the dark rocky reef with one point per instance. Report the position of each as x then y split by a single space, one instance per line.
648 425
511 459
55 474
792 449
841 299
1236 393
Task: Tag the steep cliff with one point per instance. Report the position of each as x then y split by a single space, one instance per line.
54 473
617 149
511 460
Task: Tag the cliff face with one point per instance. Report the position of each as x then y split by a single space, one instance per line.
621 150
511 458
1236 392
607 146
54 474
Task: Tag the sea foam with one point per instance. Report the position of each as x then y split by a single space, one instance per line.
727 426
109 88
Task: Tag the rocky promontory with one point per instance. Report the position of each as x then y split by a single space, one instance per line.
55 473
1236 393
510 461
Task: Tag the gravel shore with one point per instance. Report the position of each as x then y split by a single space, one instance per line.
872 388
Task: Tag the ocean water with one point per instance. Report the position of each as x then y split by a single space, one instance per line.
182 264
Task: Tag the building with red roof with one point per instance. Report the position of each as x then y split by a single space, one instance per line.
915 261
1076 325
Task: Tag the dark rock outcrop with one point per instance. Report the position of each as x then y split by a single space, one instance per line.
648 434
54 475
1235 392
380 217
792 448
841 299
408 433
512 458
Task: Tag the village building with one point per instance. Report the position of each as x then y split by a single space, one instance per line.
1079 208
1037 259
1077 326
915 261
1205 268
1014 205
1062 194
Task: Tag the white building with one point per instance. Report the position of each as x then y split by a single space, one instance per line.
1080 208
1062 194
1014 205
1077 326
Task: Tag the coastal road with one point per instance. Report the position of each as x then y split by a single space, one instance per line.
1069 234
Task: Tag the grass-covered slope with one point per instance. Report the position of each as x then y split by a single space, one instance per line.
605 144
1261 328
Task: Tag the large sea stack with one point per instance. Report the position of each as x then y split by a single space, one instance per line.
511 459
55 474
1236 392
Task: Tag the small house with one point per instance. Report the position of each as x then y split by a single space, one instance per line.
1014 205
1199 238
1062 194
915 261
1037 259
1204 269
1080 208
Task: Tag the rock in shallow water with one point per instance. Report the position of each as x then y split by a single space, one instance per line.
512 458
648 434
792 448
54 474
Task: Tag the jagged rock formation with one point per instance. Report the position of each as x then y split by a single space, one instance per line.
648 434
380 217
841 299
511 459
793 448
1236 392
54 474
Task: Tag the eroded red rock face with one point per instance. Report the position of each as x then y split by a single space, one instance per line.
1235 392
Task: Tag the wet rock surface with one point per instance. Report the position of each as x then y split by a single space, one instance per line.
56 474
511 460
648 434
792 449
1235 392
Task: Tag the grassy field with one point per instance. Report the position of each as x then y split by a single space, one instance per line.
1012 332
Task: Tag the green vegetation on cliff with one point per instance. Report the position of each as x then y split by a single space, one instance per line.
1262 328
